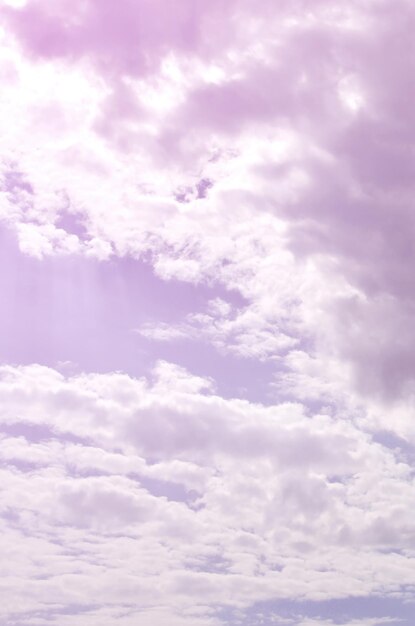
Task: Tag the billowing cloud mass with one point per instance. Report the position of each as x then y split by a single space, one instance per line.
207 356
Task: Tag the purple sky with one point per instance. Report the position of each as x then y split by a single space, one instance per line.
207 355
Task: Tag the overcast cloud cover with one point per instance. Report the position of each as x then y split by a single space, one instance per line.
207 346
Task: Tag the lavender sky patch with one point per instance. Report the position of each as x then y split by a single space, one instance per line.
207 355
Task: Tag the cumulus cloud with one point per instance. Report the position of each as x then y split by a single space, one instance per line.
264 155
275 503
317 167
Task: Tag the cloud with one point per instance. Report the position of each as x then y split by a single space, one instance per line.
294 168
244 332
265 155
273 499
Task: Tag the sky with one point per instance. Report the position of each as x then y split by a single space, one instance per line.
207 350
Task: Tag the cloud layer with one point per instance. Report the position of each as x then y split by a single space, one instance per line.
208 372
139 495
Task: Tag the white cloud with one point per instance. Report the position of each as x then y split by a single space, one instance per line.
275 503
277 161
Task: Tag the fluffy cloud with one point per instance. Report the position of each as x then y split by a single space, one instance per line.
273 502
175 145
267 155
